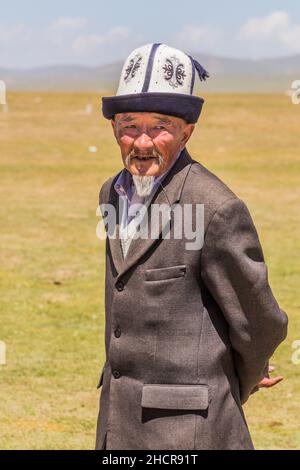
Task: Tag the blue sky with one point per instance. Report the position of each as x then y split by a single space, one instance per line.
92 32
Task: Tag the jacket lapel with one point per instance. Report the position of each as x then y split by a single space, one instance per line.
114 242
168 193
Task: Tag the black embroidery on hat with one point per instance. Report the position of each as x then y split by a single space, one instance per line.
174 72
132 68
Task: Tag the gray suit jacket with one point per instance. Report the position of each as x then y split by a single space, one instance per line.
188 333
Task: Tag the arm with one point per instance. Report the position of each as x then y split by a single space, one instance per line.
234 271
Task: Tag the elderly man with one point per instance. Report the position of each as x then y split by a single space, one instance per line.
189 328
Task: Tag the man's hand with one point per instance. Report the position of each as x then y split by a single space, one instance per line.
268 382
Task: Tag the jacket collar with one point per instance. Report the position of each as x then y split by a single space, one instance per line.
167 194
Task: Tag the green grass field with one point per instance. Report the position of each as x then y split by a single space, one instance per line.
52 264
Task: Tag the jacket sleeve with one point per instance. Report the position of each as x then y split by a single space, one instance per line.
234 270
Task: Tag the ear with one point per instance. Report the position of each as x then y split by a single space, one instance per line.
114 125
187 132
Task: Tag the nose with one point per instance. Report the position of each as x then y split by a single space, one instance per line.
143 143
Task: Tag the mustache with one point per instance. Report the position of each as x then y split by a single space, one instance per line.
152 154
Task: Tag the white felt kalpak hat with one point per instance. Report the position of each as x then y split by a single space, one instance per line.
157 78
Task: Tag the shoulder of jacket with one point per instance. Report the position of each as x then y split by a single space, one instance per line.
209 179
203 186
105 189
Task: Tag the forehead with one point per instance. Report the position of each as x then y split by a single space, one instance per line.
146 117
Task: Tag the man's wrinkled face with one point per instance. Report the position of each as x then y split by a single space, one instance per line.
150 142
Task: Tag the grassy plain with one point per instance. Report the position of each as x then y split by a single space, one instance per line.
52 264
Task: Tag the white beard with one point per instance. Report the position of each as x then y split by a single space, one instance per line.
143 185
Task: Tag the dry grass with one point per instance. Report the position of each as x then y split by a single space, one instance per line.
52 264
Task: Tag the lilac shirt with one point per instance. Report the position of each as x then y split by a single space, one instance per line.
125 188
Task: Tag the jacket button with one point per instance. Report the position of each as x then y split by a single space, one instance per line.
117 332
120 286
116 374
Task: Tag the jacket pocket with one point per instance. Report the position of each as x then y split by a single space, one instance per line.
170 272
175 397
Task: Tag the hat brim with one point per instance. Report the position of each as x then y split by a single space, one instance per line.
184 106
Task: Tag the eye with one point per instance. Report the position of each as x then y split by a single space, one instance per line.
159 127
130 127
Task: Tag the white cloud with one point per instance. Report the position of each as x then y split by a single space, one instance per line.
198 38
266 27
14 33
88 42
275 29
65 23
291 38
66 40
64 28
69 39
